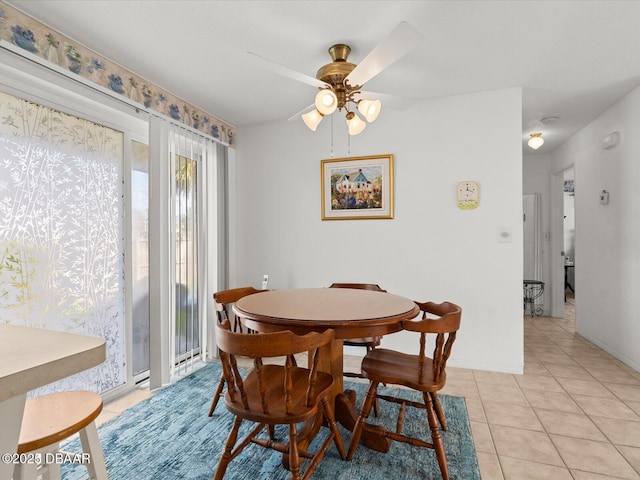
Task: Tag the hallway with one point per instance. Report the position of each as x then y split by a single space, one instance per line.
574 414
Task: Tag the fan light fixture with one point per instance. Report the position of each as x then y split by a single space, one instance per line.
312 119
355 123
340 82
370 109
326 102
338 94
536 140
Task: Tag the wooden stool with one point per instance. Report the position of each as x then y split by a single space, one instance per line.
51 418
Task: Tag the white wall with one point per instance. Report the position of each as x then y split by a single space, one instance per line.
431 250
607 249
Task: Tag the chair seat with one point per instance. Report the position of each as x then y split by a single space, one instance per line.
52 418
390 366
363 342
273 376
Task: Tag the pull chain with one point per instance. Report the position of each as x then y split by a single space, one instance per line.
332 135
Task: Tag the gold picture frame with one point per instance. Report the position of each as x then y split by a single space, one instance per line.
357 188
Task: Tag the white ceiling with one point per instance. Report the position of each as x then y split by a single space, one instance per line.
573 59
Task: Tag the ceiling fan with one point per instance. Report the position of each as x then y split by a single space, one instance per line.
340 82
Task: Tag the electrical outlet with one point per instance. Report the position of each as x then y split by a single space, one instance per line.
265 281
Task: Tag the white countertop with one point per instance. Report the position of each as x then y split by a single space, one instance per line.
33 357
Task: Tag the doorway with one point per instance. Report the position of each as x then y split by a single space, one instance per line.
562 205
569 237
532 254
531 233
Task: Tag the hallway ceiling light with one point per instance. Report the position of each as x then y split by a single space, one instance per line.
536 140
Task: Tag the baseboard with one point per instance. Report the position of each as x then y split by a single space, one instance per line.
612 351
460 363
513 368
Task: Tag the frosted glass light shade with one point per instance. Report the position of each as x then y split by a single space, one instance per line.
370 109
312 119
355 123
326 102
536 140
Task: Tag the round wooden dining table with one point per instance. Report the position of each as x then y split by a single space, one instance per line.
351 313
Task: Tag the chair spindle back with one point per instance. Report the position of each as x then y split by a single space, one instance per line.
444 326
224 301
268 345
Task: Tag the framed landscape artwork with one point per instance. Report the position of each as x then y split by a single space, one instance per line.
357 187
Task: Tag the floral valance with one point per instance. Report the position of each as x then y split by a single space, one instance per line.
38 39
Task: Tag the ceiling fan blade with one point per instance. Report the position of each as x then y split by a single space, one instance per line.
388 101
398 43
304 110
287 72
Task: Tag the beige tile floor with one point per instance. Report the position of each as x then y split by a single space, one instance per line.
573 414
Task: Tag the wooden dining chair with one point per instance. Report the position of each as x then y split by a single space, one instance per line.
224 301
273 395
369 343
417 372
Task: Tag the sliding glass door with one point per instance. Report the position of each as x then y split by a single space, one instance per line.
62 230
187 327
140 258
192 184
81 213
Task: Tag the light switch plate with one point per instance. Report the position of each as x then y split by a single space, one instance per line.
504 235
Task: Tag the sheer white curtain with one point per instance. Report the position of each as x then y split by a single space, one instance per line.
190 252
62 231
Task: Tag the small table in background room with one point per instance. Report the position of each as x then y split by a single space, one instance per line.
567 266
533 289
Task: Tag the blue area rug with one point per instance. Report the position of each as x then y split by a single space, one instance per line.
170 437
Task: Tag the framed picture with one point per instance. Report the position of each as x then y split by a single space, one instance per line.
357 187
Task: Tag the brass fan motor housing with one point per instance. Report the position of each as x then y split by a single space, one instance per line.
335 72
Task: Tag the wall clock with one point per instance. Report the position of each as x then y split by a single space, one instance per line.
468 195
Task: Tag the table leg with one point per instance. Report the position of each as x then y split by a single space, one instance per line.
11 411
331 361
